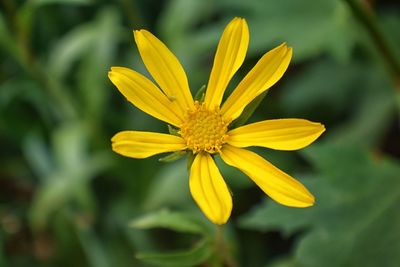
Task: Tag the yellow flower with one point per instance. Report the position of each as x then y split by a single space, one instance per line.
204 128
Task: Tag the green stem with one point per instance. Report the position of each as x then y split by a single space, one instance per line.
61 101
367 18
222 248
132 13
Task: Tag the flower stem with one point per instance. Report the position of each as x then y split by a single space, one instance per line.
222 248
20 21
367 18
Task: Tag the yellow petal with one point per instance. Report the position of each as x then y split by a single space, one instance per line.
274 182
140 145
281 134
165 68
209 189
229 57
142 93
268 70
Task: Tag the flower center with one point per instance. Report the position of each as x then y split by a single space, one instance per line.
204 129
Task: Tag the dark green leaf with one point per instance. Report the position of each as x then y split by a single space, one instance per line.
176 221
193 257
92 247
68 2
348 226
70 48
6 40
173 156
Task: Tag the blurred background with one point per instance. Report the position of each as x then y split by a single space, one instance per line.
67 200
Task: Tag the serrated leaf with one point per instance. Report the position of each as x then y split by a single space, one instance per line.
193 257
175 221
356 194
367 118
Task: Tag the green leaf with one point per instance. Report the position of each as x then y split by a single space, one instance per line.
193 257
65 2
190 160
295 23
28 10
38 156
172 130
308 90
95 253
70 49
67 178
390 23
173 156
7 42
369 107
69 142
176 221
200 94
20 89
355 193
181 32
3 259
169 187
97 58
374 114
248 111
285 262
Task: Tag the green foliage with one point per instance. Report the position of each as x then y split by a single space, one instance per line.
64 173
69 2
349 225
173 156
67 200
179 222
200 94
300 30
248 111
171 220
197 255
360 94
169 186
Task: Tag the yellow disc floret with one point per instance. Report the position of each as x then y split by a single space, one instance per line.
204 129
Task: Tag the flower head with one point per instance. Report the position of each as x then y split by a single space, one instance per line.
204 129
